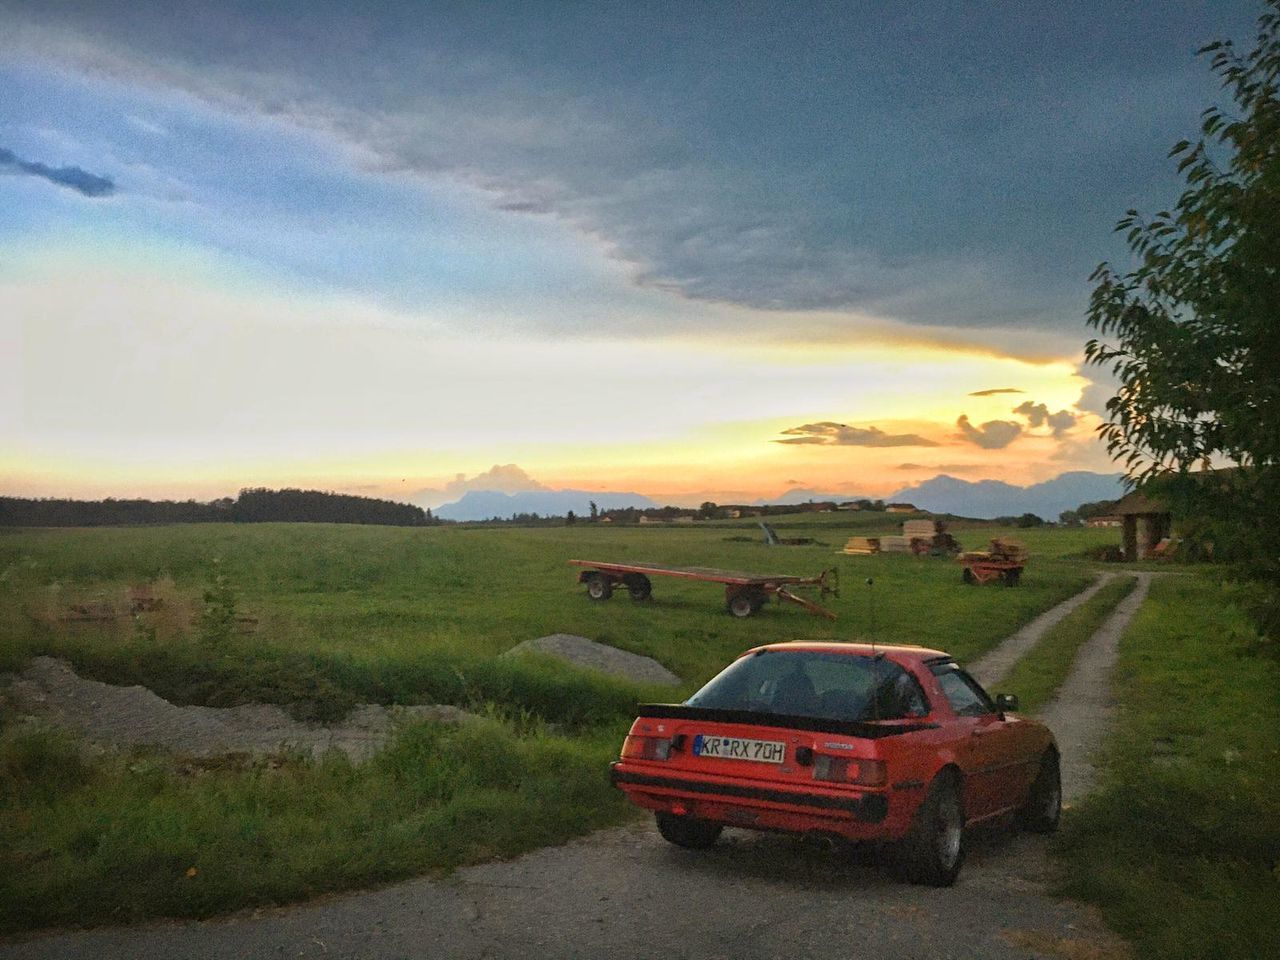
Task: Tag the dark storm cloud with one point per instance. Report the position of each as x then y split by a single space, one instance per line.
992 435
779 156
81 181
834 434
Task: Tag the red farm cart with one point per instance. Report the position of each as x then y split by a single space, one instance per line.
744 593
1004 560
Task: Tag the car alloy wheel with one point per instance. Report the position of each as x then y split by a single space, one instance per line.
948 830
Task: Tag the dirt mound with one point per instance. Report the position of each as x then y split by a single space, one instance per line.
134 716
582 652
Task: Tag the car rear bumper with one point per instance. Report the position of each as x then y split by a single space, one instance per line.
856 815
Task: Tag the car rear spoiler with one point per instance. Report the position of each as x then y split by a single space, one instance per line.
867 730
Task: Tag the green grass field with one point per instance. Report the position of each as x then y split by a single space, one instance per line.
1180 846
321 617
347 613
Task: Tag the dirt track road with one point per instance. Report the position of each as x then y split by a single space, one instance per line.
626 893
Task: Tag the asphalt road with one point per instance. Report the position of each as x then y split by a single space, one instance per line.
627 893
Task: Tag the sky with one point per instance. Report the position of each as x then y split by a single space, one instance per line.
693 250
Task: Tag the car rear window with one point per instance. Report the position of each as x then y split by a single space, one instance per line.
835 686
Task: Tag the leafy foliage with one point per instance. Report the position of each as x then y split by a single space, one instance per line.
1195 323
1193 327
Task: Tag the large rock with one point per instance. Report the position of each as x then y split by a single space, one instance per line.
582 652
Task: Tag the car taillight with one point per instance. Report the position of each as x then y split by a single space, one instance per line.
646 748
866 773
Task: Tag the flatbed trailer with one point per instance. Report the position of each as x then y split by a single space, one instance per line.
744 593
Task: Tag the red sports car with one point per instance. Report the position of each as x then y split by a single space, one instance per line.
895 744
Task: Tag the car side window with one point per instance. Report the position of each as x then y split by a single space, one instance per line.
967 699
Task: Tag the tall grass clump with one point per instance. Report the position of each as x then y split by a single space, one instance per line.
137 836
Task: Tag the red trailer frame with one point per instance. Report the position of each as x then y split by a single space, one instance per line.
744 593
980 571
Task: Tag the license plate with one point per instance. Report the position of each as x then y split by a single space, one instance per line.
739 748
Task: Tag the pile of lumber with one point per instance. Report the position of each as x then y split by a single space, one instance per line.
862 546
895 544
920 529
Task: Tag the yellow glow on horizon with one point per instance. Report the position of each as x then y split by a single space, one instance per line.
138 380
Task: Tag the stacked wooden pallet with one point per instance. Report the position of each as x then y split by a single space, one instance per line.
862 546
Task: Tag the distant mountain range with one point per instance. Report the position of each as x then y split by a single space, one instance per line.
487 504
985 499
803 495
943 494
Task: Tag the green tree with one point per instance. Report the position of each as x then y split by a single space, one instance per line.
1192 332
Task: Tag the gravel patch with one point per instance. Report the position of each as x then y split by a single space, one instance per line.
600 657
134 716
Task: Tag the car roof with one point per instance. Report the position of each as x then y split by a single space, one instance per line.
899 651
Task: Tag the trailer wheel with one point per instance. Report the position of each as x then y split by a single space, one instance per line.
742 605
968 576
599 587
1012 577
639 586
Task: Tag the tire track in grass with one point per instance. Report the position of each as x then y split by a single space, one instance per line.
991 667
1036 677
1081 713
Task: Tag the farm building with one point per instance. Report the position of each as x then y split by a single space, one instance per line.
1107 521
1146 521
901 508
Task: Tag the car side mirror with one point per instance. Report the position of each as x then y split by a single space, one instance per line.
1006 703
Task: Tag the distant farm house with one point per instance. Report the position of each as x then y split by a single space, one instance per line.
1108 521
902 508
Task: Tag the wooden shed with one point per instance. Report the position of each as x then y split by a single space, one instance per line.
1146 520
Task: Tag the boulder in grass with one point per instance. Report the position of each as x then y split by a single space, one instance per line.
581 652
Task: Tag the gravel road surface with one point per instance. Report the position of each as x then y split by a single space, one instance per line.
626 893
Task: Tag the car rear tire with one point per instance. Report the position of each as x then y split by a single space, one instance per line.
599 587
688 832
1043 809
932 852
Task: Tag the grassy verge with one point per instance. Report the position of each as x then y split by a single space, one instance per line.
1036 677
124 838
1180 846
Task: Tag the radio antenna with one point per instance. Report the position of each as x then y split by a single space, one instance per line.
871 612
875 657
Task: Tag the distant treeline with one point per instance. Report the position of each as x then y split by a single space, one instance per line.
257 505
